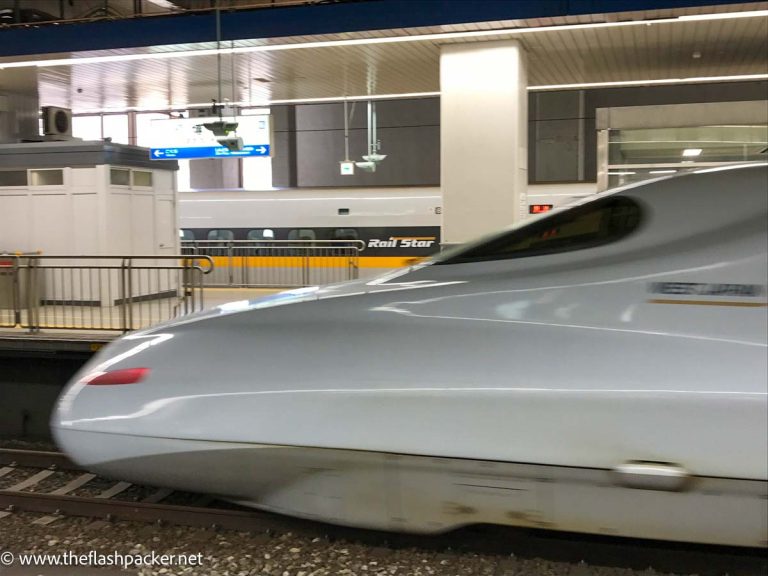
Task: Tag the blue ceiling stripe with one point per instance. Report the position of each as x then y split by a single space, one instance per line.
304 20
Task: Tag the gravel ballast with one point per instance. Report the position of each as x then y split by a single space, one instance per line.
228 553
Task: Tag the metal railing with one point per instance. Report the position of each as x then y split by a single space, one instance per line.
98 292
278 263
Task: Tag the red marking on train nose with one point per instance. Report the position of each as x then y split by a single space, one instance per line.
124 376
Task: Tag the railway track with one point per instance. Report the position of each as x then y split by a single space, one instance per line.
51 484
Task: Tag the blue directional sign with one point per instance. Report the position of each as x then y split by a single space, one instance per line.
202 137
206 152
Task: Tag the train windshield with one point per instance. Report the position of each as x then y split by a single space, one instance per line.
584 226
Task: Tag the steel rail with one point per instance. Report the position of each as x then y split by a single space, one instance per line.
36 459
108 508
140 511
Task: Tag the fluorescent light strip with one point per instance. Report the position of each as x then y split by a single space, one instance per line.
113 58
297 199
691 80
349 98
534 88
267 103
374 41
540 88
745 14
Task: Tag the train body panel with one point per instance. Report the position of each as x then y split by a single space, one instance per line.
408 493
615 352
302 208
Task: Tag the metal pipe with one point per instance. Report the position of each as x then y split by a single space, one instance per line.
16 290
370 122
374 130
346 133
123 300
234 80
218 45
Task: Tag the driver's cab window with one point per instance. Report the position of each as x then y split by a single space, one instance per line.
587 226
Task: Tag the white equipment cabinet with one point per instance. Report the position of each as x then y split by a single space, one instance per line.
88 198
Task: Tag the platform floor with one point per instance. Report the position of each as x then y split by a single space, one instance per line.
90 339
217 296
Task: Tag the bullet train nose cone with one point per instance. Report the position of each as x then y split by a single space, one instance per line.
567 373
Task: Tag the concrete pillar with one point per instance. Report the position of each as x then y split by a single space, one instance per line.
483 138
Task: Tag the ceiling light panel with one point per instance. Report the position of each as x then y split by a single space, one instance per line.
567 57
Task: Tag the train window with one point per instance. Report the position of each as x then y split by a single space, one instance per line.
261 234
302 234
343 212
586 226
344 234
186 235
221 234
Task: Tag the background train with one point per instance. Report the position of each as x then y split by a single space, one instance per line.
393 225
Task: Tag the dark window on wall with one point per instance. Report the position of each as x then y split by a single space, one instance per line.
13 177
119 177
52 177
142 178
588 226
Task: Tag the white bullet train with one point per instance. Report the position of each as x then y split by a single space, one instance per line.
602 369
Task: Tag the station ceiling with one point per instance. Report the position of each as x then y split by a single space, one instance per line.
715 43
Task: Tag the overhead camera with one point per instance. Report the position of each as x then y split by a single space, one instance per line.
221 128
223 131
366 166
370 161
232 143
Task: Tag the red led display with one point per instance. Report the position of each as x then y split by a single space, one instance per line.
539 208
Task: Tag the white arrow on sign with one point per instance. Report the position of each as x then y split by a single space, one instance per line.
261 149
158 153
